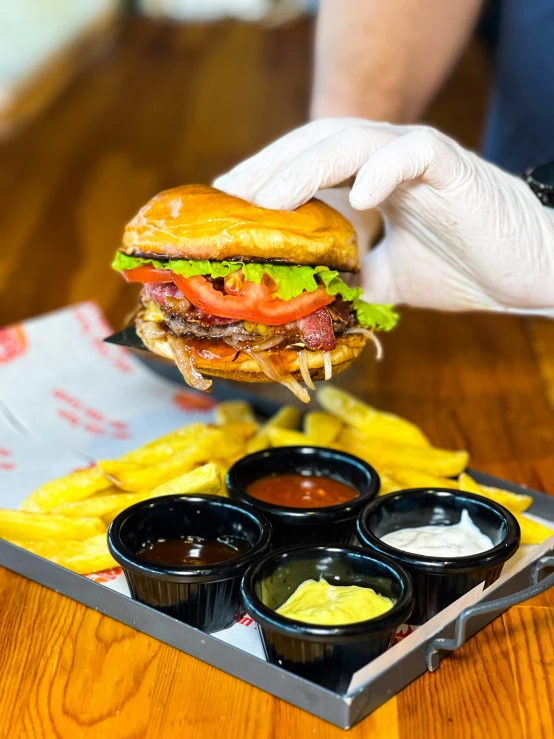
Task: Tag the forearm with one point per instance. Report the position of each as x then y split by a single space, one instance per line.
385 59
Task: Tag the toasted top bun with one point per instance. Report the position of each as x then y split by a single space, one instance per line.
200 222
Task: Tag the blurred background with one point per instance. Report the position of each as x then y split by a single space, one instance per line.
105 102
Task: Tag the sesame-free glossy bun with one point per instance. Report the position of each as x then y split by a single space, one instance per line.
200 222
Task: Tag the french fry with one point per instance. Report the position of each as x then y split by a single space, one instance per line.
92 556
212 445
388 484
286 417
257 443
83 557
287 437
242 429
75 486
468 485
512 501
384 455
408 478
371 422
322 427
114 469
223 470
28 526
165 447
98 506
233 411
532 532
205 479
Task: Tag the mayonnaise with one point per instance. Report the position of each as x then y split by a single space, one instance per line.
317 602
457 540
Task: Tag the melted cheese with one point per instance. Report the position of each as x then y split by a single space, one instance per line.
153 312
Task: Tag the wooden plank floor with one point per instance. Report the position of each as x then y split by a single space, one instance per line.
172 105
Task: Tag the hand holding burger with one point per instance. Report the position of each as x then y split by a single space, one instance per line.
460 234
237 291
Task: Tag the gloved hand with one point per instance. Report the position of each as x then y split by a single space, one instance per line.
460 234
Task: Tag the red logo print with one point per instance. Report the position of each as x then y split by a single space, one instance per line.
191 401
105 575
13 343
94 326
403 631
77 415
5 462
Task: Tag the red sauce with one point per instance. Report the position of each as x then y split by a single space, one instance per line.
211 348
301 491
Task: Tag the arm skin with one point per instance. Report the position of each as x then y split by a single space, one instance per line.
386 59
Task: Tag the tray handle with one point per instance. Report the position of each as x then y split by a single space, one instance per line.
496 607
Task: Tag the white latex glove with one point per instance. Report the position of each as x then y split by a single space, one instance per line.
460 234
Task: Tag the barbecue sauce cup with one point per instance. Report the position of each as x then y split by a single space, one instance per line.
439 581
335 524
327 655
206 596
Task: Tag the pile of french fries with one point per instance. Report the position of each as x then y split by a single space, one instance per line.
66 519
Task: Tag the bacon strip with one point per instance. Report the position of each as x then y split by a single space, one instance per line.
159 291
317 331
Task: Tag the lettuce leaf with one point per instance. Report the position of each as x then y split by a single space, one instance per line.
291 282
184 267
374 315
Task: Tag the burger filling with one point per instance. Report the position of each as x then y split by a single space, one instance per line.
255 308
317 331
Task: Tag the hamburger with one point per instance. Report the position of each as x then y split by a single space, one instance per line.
244 293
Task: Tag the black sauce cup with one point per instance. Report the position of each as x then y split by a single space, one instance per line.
327 525
204 596
328 655
440 581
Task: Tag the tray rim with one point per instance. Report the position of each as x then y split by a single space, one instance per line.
342 710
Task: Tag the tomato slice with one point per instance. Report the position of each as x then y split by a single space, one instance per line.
255 303
148 274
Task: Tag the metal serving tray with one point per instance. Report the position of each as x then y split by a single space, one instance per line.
371 686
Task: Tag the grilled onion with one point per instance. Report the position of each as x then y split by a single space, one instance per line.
251 344
369 335
152 330
304 369
264 361
327 363
184 360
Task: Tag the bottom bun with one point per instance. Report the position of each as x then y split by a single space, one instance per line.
242 368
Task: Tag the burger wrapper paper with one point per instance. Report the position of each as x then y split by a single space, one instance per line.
67 399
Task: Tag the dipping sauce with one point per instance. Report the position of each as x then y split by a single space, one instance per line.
193 550
458 540
293 490
317 602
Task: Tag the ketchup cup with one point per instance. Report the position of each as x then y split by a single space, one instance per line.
335 524
439 581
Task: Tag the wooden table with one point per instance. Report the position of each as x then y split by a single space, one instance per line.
167 106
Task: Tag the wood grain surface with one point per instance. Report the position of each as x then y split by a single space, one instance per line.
171 105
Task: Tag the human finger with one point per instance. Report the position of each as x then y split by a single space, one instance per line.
325 164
